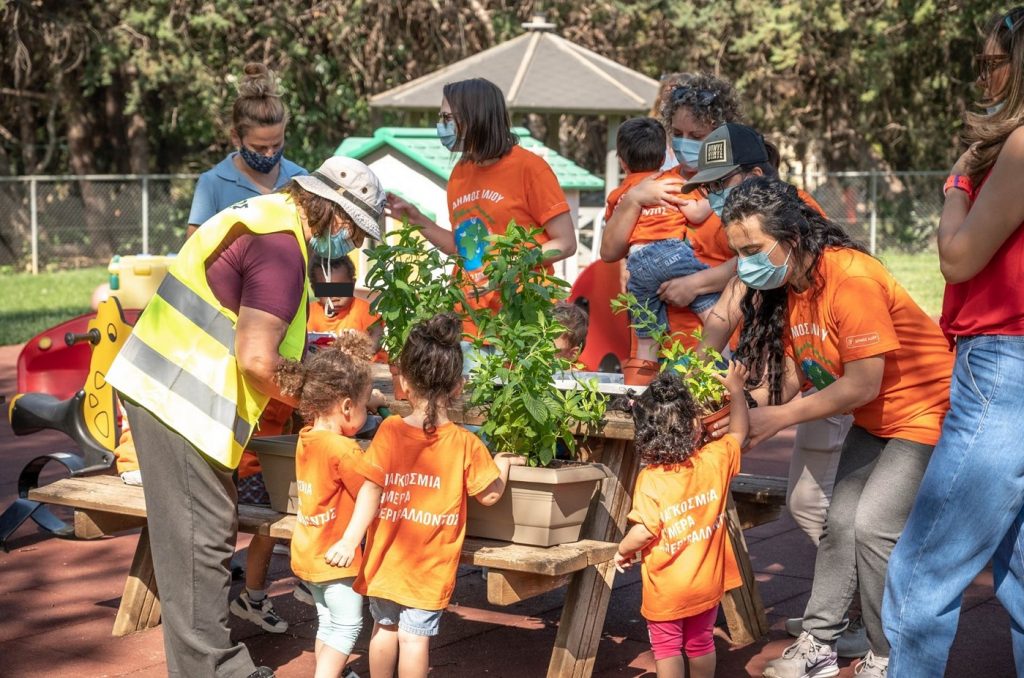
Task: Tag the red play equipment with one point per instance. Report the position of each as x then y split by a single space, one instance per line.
608 334
47 364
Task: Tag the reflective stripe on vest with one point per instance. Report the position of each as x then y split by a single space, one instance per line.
179 362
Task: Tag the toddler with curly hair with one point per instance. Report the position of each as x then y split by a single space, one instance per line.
678 520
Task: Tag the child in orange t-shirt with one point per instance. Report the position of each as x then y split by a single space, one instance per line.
419 471
658 249
333 387
333 313
678 520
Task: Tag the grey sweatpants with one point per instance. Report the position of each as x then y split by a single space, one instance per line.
192 509
876 484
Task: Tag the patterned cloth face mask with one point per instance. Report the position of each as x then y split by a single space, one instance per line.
260 163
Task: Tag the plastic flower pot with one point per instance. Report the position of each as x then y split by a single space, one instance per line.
540 506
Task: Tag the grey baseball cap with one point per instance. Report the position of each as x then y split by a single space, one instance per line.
730 146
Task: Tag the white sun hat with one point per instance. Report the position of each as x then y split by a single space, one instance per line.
354 186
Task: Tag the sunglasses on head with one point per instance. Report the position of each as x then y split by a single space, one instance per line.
699 97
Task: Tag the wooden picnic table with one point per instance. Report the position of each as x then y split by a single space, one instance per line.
104 505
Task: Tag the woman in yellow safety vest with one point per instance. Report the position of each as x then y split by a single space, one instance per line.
198 370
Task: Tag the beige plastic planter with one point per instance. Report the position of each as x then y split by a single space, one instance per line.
277 458
540 507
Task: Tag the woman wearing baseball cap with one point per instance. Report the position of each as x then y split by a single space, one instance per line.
197 372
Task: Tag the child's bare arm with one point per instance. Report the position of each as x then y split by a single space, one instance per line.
637 538
367 502
492 493
739 415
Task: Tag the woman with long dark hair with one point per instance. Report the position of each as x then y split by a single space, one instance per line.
495 182
820 310
970 508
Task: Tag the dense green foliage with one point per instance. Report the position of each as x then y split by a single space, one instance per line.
513 385
411 283
111 86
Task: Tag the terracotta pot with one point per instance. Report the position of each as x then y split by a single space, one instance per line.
638 372
708 420
541 506
400 393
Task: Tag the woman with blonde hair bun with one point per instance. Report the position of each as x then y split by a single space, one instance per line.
257 166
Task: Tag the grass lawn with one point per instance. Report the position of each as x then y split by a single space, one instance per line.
31 303
919 273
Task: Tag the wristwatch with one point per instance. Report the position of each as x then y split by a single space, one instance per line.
959 181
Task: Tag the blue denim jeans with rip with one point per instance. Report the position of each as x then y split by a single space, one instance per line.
969 510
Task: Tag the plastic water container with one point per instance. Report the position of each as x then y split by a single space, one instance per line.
134 279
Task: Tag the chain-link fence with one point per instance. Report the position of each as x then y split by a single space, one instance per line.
50 222
885 211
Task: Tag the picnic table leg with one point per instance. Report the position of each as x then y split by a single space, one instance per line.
590 589
744 610
140 604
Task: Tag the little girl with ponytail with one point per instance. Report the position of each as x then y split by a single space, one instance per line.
333 386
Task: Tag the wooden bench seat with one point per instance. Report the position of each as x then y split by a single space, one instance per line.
104 505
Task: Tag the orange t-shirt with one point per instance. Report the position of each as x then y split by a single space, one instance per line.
654 223
327 482
413 546
690 564
356 316
483 199
858 312
712 247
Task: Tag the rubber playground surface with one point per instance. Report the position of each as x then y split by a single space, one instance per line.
58 599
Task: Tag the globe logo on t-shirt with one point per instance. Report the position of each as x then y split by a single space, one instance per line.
471 242
816 374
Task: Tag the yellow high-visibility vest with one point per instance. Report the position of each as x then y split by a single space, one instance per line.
179 362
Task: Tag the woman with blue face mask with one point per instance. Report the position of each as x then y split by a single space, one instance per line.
691 110
257 166
820 311
494 182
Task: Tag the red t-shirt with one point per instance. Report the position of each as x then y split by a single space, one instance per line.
988 303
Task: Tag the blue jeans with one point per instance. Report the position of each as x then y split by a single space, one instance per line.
968 511
659 262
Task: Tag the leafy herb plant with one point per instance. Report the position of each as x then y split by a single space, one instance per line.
513 385
412 282
698 370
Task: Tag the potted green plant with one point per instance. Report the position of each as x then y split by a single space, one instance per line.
411 281
700 369
524 412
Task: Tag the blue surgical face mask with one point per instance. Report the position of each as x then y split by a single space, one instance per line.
687 152
258 162
332 246
717 200
446 133
992 110
758 271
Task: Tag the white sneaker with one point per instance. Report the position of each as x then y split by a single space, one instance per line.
261 614
853 644
806 658
132 477
872 666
